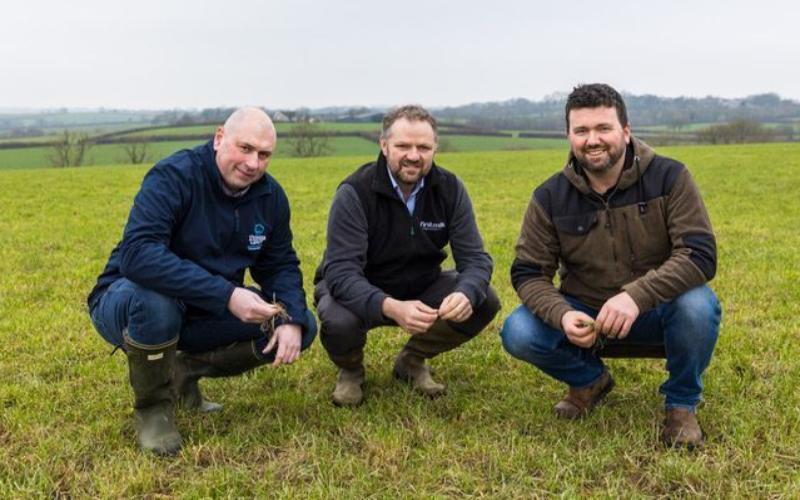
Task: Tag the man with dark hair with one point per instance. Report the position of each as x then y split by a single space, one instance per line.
630 237
387 228
172 294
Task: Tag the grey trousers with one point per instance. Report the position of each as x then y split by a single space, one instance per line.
344 334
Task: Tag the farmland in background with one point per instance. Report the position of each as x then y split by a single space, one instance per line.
349 139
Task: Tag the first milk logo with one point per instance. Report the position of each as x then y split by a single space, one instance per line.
256 240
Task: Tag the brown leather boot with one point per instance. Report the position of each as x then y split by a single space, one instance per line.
350 379
681 429
580 402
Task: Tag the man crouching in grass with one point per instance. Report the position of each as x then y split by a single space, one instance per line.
172 294
632 242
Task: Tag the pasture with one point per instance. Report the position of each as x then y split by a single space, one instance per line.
65 405
114 154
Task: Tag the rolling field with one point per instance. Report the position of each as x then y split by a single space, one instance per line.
114 154
65 406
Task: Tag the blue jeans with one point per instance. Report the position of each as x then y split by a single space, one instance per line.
688 327
150 318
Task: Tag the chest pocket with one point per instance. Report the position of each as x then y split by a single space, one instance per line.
573 235
648 235
576 225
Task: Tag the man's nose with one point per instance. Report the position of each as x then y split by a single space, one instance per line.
413 154
251 160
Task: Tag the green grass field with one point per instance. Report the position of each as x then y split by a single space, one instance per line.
114 154
65 406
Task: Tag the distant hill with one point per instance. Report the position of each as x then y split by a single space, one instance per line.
515 114
643 110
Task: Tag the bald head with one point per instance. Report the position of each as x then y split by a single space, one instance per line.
244 147
252 119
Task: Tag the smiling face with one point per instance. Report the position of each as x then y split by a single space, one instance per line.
598 139
409 147
244 147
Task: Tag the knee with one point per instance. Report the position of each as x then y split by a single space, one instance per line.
342 332
520 333
154 318
338 325
696 315
491 306
699 306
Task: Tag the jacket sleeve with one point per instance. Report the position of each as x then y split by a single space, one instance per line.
535 265
693 258
278 268
145 255
346 258
473 264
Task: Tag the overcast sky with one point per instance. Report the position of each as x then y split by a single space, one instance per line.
194 54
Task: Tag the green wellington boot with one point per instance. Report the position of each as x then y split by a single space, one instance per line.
228 361
149 369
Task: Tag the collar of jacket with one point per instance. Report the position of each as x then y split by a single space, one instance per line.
642 157
383 185
261 187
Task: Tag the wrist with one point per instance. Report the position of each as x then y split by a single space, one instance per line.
389 307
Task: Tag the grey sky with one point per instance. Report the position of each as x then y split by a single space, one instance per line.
165 54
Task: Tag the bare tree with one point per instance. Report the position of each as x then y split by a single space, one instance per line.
136 150
736 132
309 139
71 149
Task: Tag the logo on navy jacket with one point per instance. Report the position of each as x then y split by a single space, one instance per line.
431 226
256 240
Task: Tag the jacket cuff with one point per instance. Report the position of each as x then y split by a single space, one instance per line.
556 313
475 296
639 295
375 308
227 291
295 318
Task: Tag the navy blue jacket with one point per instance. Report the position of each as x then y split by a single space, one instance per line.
187 239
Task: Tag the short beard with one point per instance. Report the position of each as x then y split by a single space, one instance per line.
600 169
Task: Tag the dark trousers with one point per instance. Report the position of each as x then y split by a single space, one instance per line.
150 318
343 333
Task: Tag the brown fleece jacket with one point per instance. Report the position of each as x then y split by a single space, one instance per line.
651 237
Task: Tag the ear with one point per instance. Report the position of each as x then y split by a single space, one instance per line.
626 131
220 132
384 146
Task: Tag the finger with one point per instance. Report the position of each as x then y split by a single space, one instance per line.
465 314
626 329
608 322
421 306
446 306
619 324
271 344
602 317
268 310
580 331
279 356
295 354
460 311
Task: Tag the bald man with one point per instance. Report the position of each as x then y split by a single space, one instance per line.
172 295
